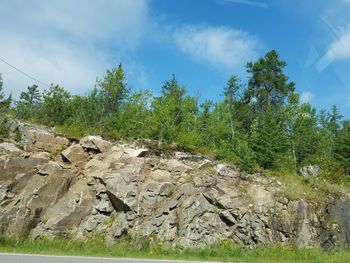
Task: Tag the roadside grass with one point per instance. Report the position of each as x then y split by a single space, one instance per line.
224 251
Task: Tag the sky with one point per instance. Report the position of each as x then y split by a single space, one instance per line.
202 42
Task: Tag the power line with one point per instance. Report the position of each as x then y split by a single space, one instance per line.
25 74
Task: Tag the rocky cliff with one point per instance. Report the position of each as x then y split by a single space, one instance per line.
51 187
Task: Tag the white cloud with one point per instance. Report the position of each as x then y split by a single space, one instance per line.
68 42
220 46
249 2
306 97
340 49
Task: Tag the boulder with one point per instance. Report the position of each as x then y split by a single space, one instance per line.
161 176
36 140
225 170
75 154
50 168
187 156
8 147
136 152
41 155
95 143
310 171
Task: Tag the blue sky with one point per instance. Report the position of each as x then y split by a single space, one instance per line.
71 42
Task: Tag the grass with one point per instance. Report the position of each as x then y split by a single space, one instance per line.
150 248
317 190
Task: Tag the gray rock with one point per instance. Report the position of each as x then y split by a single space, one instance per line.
113 190
95 143
75 154
310 171
7 147
225 170
41 140
136 152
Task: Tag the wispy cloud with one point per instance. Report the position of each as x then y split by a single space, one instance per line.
339 49
306 96
249 2
220 46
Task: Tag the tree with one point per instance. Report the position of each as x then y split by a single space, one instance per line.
4 102
204 118
114 89
334 120
167 110
29 102
133 119
342 147
264 118
306 134
56 105
291 114
231 99
270 142
268 86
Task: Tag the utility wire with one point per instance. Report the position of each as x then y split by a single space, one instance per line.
25 74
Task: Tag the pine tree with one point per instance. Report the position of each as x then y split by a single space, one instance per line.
231 93
114 89
306 133
270 142
29 102
268 86
167 110
334 120
342 147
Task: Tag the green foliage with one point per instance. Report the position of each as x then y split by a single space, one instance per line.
258 125
168 110
306 134
268 85
56 108
342 147
29 104
5 103
269 141
113 88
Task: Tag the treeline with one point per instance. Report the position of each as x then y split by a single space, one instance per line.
259 124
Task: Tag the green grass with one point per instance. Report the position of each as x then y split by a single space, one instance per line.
150 248
295 187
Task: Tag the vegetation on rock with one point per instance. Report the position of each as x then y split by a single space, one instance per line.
259 125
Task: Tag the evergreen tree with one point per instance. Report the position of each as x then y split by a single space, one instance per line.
114 89
342 147
270 142
334 120
167 110
231 94
268 86
306 134
28 105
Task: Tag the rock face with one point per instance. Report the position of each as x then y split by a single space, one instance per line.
110 189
